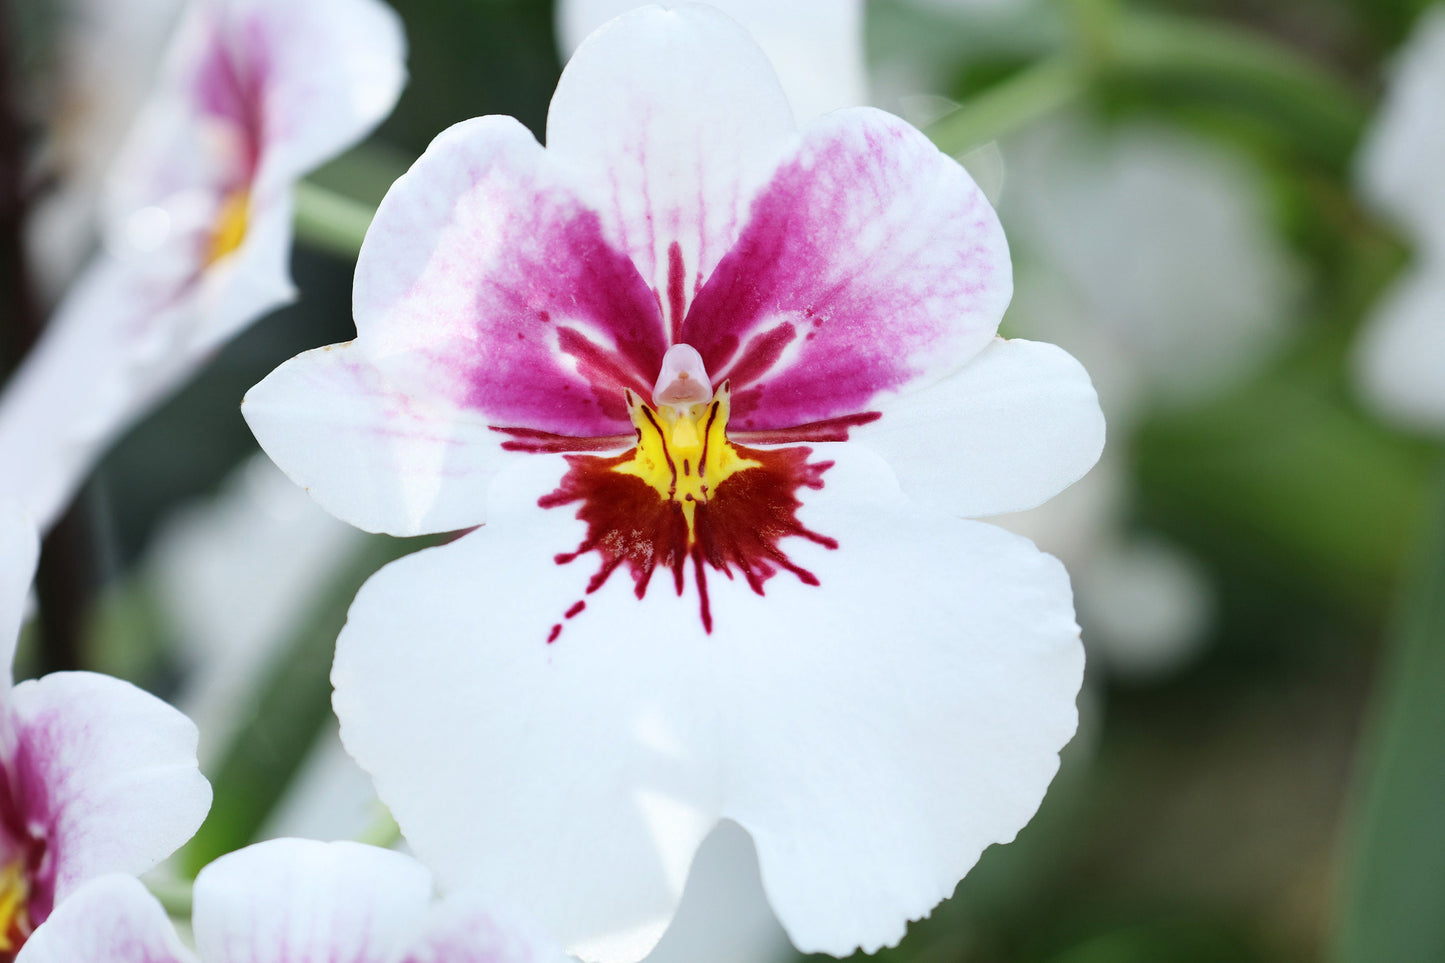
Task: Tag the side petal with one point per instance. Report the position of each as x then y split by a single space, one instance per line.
112 919
873 732
19 552
484 283
871 261
1400 361
369 453
107 772
1010 430
302 901
671 119
816 46
468 928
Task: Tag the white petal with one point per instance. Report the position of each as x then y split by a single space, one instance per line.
816 46
1011 429
19 552
671 120
873 733
110 774
302 901
469 928
367 452
1400 158
1401 356
113 919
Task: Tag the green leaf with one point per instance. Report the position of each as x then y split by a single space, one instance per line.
1395 889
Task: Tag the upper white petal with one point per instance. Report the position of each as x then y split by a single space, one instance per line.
112 919
816 46
1400 360
670 119
1009 430
873 734
302 901
109 772
19 552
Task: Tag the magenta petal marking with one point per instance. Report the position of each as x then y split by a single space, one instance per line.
230 81
869 260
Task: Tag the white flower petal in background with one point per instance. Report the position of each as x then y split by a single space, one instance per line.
292 901
253 94
1400 359
816 46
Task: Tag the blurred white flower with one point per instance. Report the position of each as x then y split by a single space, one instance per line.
292 901
1148 254
1401 356
253 94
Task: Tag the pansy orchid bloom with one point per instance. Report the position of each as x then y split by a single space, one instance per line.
96 776
1401 357
719 389
197 225
290 901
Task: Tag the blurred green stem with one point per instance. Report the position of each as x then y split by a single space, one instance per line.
1027 96
329 221
1394 886
174 895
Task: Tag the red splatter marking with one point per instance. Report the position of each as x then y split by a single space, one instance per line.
738 528
552 635
576 609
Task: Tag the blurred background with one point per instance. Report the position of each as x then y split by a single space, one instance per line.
1260 773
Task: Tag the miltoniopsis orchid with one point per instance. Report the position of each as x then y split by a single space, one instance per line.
198 225
96 776
1401 358
290 901
665 359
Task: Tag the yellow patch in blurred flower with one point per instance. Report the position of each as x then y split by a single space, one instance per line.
230 226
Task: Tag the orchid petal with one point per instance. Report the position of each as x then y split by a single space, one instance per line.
302 901
1401 357
873 732
466 928
670 119
1400 158
1010 430
368 452
484 283
19 552
107 772
816 46
870 262
112 919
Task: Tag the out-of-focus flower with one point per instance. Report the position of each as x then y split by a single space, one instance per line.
291 900
108 53
96 776
816 46
1401 356
874 688
198 225
1147 254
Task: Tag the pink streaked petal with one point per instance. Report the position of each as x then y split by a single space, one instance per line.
1009 430
484 283
870 263
112 919
671 120
19 550
106 773
468 928
816 46
370 453
303 901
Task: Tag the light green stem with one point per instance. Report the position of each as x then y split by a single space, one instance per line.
329 221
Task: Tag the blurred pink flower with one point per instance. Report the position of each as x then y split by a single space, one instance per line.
677 342
291 901
254 94
96 776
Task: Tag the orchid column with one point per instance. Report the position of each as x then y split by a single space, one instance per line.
720 390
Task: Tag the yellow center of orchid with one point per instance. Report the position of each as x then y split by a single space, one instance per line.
15 925
231 225
683 453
